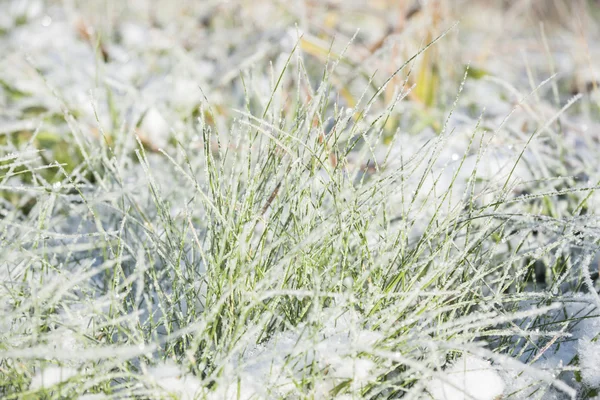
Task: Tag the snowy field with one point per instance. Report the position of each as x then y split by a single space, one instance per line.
299 199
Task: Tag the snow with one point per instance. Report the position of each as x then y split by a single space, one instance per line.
170 378
51 376
338 351
469 377
94 396
155 128
167 85
558 355
589 361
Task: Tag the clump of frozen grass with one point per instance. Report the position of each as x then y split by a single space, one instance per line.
239 259
292 254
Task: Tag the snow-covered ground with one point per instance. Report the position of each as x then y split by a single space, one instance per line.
253 200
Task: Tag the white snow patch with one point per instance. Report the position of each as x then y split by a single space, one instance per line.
338 351
134 35
51 376
93 396
589 361
469 378
169 377
155 128
187 93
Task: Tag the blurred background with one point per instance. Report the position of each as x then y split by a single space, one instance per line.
150 65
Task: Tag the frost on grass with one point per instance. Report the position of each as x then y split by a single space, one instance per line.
196 202
335 357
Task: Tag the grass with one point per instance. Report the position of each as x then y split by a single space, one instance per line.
299 243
